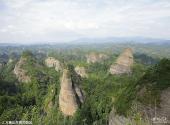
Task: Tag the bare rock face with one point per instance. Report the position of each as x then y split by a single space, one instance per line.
123 63
52 62
94 57
81 71
20 73
67 97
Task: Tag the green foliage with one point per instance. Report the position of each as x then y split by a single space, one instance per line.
102 90
154 81
11 114
127 92
7 88
145 59
27 54
7 74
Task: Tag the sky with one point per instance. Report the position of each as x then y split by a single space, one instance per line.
65 20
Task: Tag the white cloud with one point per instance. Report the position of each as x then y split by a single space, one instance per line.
57 20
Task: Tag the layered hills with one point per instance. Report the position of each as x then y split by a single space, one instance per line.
58 98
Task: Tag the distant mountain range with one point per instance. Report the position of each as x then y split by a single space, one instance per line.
145 40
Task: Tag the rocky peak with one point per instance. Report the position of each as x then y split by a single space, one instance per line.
20 73
52 62
81 71
94 57
71 95
123 63
67 97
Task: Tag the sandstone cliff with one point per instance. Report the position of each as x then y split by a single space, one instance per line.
20 73
67 97
123 63
52 62
81 71
94 57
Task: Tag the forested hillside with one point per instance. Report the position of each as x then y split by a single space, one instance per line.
37 82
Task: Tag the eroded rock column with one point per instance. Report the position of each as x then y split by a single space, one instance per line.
67 97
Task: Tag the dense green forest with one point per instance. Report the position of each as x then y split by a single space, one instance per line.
37 101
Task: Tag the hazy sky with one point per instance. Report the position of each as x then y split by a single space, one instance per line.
62 20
